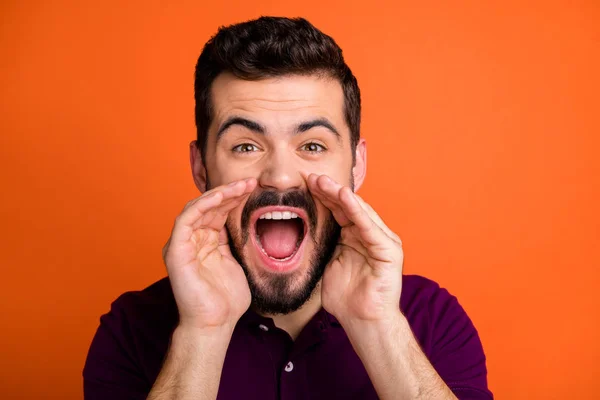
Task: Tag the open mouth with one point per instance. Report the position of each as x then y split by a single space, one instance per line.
279 232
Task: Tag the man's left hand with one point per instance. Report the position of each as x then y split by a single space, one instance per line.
363 281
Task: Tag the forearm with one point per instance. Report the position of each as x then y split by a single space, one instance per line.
397 366
192 368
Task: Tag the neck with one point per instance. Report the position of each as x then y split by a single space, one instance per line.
294 322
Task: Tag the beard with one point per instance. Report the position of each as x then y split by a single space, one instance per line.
284 293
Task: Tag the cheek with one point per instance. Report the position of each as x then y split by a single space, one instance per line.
323 214
223 170
234 219
337 168
236 213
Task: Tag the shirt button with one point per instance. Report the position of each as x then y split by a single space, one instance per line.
263 327
289 367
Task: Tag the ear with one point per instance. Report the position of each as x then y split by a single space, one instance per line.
198 168
359 171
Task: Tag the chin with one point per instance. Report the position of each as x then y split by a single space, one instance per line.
295 272
282 256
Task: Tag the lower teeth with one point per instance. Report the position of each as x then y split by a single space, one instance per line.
282 259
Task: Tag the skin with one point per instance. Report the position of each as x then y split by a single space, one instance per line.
280 159
362 284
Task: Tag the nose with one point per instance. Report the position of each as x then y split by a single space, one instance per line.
281 171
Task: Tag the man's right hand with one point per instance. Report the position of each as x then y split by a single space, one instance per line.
209 285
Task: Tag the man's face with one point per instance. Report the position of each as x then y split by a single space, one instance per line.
279 130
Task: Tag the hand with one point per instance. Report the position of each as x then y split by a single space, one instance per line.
209 285
363 281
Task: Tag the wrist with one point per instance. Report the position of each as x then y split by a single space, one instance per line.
203 327
212 335
365 334
193 364
382 323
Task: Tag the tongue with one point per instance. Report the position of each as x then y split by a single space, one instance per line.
279 237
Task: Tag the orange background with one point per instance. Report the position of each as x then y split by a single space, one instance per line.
482 122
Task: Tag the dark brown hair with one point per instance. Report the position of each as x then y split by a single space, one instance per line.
269 47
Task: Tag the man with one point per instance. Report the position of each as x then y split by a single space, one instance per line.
283 282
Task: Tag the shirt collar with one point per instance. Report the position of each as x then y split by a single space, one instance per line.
251 319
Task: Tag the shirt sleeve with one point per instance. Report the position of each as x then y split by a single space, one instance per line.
111 369
457 353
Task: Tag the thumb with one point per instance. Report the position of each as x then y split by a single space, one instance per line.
223 236
224 248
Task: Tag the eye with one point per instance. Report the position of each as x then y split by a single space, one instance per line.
245 148
313 147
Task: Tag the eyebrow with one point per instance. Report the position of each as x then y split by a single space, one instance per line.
258 128
253 126
305 126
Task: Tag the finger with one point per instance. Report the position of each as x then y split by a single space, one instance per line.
369 232
314 189
333 189
329 190
328 195
229 191
377 219
197 210
198 207
216 217
164 250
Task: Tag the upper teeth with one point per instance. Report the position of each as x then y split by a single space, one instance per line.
279 215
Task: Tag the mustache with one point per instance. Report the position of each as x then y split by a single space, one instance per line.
295 198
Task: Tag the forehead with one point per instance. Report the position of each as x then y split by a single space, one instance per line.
278 101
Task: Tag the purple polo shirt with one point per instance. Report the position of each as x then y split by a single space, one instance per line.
263 362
